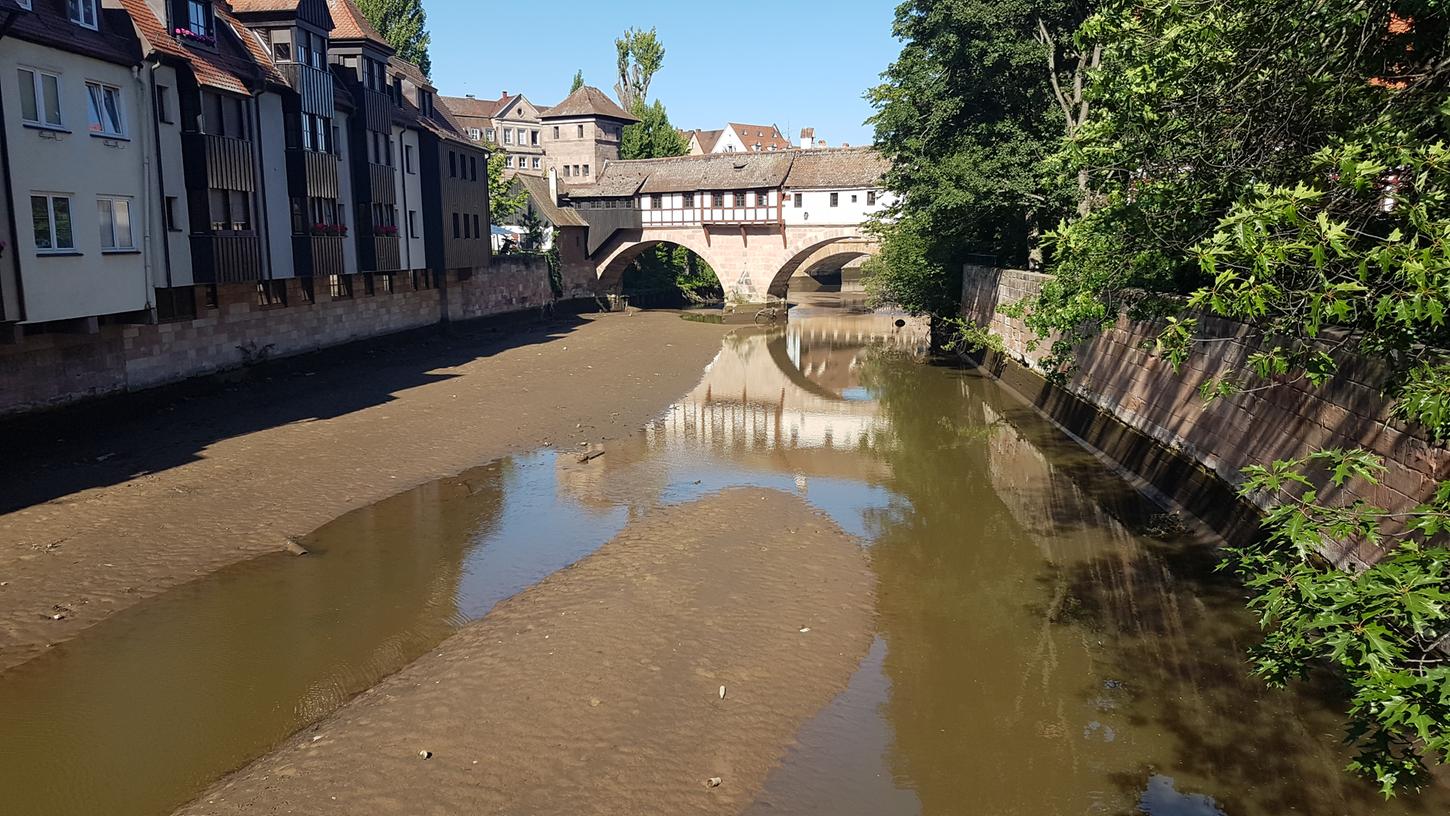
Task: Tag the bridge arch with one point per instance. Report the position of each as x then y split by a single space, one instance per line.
838 248
628 245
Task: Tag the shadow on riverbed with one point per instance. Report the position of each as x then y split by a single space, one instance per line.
115 439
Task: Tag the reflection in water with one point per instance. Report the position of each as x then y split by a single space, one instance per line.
1034 655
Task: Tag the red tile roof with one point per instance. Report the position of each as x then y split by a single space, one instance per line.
766 136
349 23
47 24
238 64
587 101
479 108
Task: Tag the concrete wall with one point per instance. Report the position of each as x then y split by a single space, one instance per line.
816 206
70 161
410 200
1137 409
274 195
170 183
48 370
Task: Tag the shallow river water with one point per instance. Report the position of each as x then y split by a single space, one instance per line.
1035 652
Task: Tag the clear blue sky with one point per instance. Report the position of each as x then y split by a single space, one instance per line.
790 63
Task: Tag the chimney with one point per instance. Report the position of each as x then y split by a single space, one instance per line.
554 185
468 96
505 93
808 138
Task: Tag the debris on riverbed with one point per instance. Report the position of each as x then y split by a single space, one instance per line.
805 629
590 455
722 692
712 782
294 546
425 754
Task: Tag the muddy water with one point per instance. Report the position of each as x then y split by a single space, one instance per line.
1035 654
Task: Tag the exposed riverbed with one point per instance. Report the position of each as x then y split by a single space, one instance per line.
921 598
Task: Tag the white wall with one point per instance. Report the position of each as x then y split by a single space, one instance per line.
84 282
729 142
344 194
410 198
672 209
816 206
170 173
274 185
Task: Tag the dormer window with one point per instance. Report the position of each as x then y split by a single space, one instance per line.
83 12
195 22
425 103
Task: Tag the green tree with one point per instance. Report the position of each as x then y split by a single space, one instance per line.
969 115
640 55
505 196
652 137
578 81
404 24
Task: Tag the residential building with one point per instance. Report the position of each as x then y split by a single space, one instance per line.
76 144
839 186
511 124
582 133
738 138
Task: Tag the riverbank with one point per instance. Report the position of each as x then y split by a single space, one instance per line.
104 513
668 673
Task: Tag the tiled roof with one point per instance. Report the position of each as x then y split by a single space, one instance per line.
479 108
708 138
349 23
538 190
767 136
587 101
47 24
856 167
246 6
238 64
616 180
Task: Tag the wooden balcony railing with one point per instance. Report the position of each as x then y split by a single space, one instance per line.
226 258
387 253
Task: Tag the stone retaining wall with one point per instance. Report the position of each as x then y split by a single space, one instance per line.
52 369
1137 409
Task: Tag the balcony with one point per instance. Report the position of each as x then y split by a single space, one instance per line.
377 110
226 258
387 253
312 174
382 184
313 85
225 163
318 255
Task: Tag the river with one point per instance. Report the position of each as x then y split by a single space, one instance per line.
1036 651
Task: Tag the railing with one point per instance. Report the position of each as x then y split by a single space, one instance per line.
377 111
313 85
383 184
318 255
387 253
314 172
764 214
226 162
226 258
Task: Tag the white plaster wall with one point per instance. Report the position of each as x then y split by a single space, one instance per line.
85 283
729 142
344 194
172 175
410 198
273 147
816 206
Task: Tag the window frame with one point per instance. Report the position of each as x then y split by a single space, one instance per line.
116 247
835 199
97 113
79 7
37 91
54 236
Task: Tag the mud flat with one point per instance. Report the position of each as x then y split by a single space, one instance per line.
104 513
598 690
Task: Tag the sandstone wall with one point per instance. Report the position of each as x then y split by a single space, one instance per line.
46 370
1136 408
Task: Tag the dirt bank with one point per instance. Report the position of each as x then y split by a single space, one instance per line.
106 512
597 691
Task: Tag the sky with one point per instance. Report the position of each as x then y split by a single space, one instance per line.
789 63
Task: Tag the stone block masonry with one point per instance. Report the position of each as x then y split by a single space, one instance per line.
52 369
1134 407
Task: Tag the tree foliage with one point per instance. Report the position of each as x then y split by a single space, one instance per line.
404 24
652 137
578 81
639 56
505 197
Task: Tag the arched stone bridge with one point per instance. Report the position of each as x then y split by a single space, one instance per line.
756 219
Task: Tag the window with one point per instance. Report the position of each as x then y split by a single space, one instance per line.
739 199
581 131
689 200
467 233
82 12
477 231
452 164
835 199
717 199
230 210
105 109
368 285
522 135
508 136
408 159
50 215
339 286
457 232
163 104
473 167
475 134
199 19
853 198
489 136
534 138
385 282
536 162
115 220
272 293
656 201
556 133
586 169
39 98
800 200
762 199
413 224
223 115
568 171
173 221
